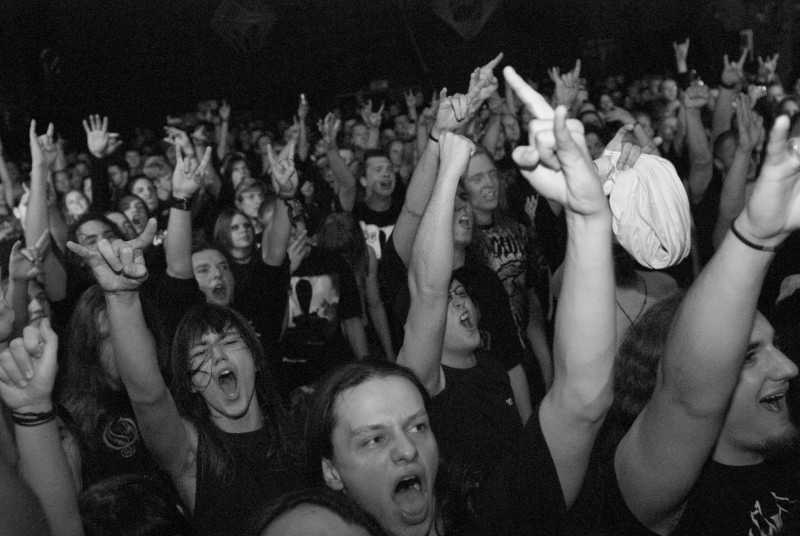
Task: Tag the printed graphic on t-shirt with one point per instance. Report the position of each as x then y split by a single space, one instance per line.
507 258
375 236
769 516
120 435
313 303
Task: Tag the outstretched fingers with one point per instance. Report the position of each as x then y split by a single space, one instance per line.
535 103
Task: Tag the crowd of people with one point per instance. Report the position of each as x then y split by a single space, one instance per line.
565 307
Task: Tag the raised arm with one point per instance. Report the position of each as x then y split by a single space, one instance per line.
302 128
120 270
24 265
660 458
452 115
284 182
373 121
701 161
186 180
223 129
732 198
573 410
43 154
431 268
377 312
5 177
345 180
730 85
27 374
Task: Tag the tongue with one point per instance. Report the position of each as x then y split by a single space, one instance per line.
229 384
410 499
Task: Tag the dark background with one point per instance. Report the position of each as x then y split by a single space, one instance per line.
138 60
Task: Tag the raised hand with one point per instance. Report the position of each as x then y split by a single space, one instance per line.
411 103
370 118
482 83
768 67
453 113
695 96
733 71
302 108
681 53
43 148
180 138
118 266
284 175
225 110
25 264
329 128
750 125
567 85
100 141
189 174
28 368
773 209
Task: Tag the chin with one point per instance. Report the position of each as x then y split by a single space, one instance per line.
787 443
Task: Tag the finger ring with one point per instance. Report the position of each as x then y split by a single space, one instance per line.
793 144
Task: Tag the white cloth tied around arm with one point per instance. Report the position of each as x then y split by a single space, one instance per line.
650 208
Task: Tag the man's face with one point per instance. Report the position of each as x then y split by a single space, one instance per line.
91 232
669 89
214 276
511 128
137 215
380 179
118 176
147 192
758 417
384 454
124 224
396 153
133 158
482 186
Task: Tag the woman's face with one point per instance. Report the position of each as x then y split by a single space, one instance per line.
396 153
137 215
239 171
307 189
38 306
606 103
76 204
241 232
61 182
511 128
250 202
461 332
147 192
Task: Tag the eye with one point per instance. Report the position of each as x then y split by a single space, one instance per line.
374 441
420 427
224 267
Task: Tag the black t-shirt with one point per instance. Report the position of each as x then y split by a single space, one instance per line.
322 293
226 508
377 226
750 500
474 418
522 495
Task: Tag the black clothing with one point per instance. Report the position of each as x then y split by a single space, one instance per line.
377 226
474 418
224 508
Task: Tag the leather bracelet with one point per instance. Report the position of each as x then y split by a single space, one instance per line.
727 86
181 203
746 242
285 197
30 418
435 140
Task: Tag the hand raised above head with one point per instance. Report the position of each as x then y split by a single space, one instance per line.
28 368
118 266
188 175
733 71
43 148
99 140
284 174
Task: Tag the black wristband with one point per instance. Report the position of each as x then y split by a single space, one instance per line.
727 86
435 140
30 418
746 242
181 203
285 197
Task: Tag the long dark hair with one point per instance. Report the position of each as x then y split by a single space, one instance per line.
341 233
222 229
283 445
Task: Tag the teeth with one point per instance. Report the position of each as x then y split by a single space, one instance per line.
464 316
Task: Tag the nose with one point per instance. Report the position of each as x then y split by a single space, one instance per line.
217 353
782 368
404 449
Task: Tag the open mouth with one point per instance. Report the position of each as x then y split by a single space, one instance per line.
465 221
219 290
775 402
466 320
411 497
228 383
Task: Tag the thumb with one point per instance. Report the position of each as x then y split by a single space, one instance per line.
50 343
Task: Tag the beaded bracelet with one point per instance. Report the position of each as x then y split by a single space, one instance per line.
30 418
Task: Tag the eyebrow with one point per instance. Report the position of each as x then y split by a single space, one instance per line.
376 427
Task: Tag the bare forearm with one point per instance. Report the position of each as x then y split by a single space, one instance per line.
700 157
8 186
732 198
276 238
377 314
354 330
723 112
344 178
17 297
178 244
489 140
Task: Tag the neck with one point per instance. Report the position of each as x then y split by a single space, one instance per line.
461 360
483 217
378 203
249 422
241 255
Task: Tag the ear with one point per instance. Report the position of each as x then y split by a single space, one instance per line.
363 181
331 475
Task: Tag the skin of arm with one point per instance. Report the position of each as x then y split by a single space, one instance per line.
573 410
42 462
701 159
36 219
280 230
521 390
5 177
490 136
431 268
377 313
21 269
345 179
660 458
356 336
723 112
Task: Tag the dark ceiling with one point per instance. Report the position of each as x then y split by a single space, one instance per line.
138 60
